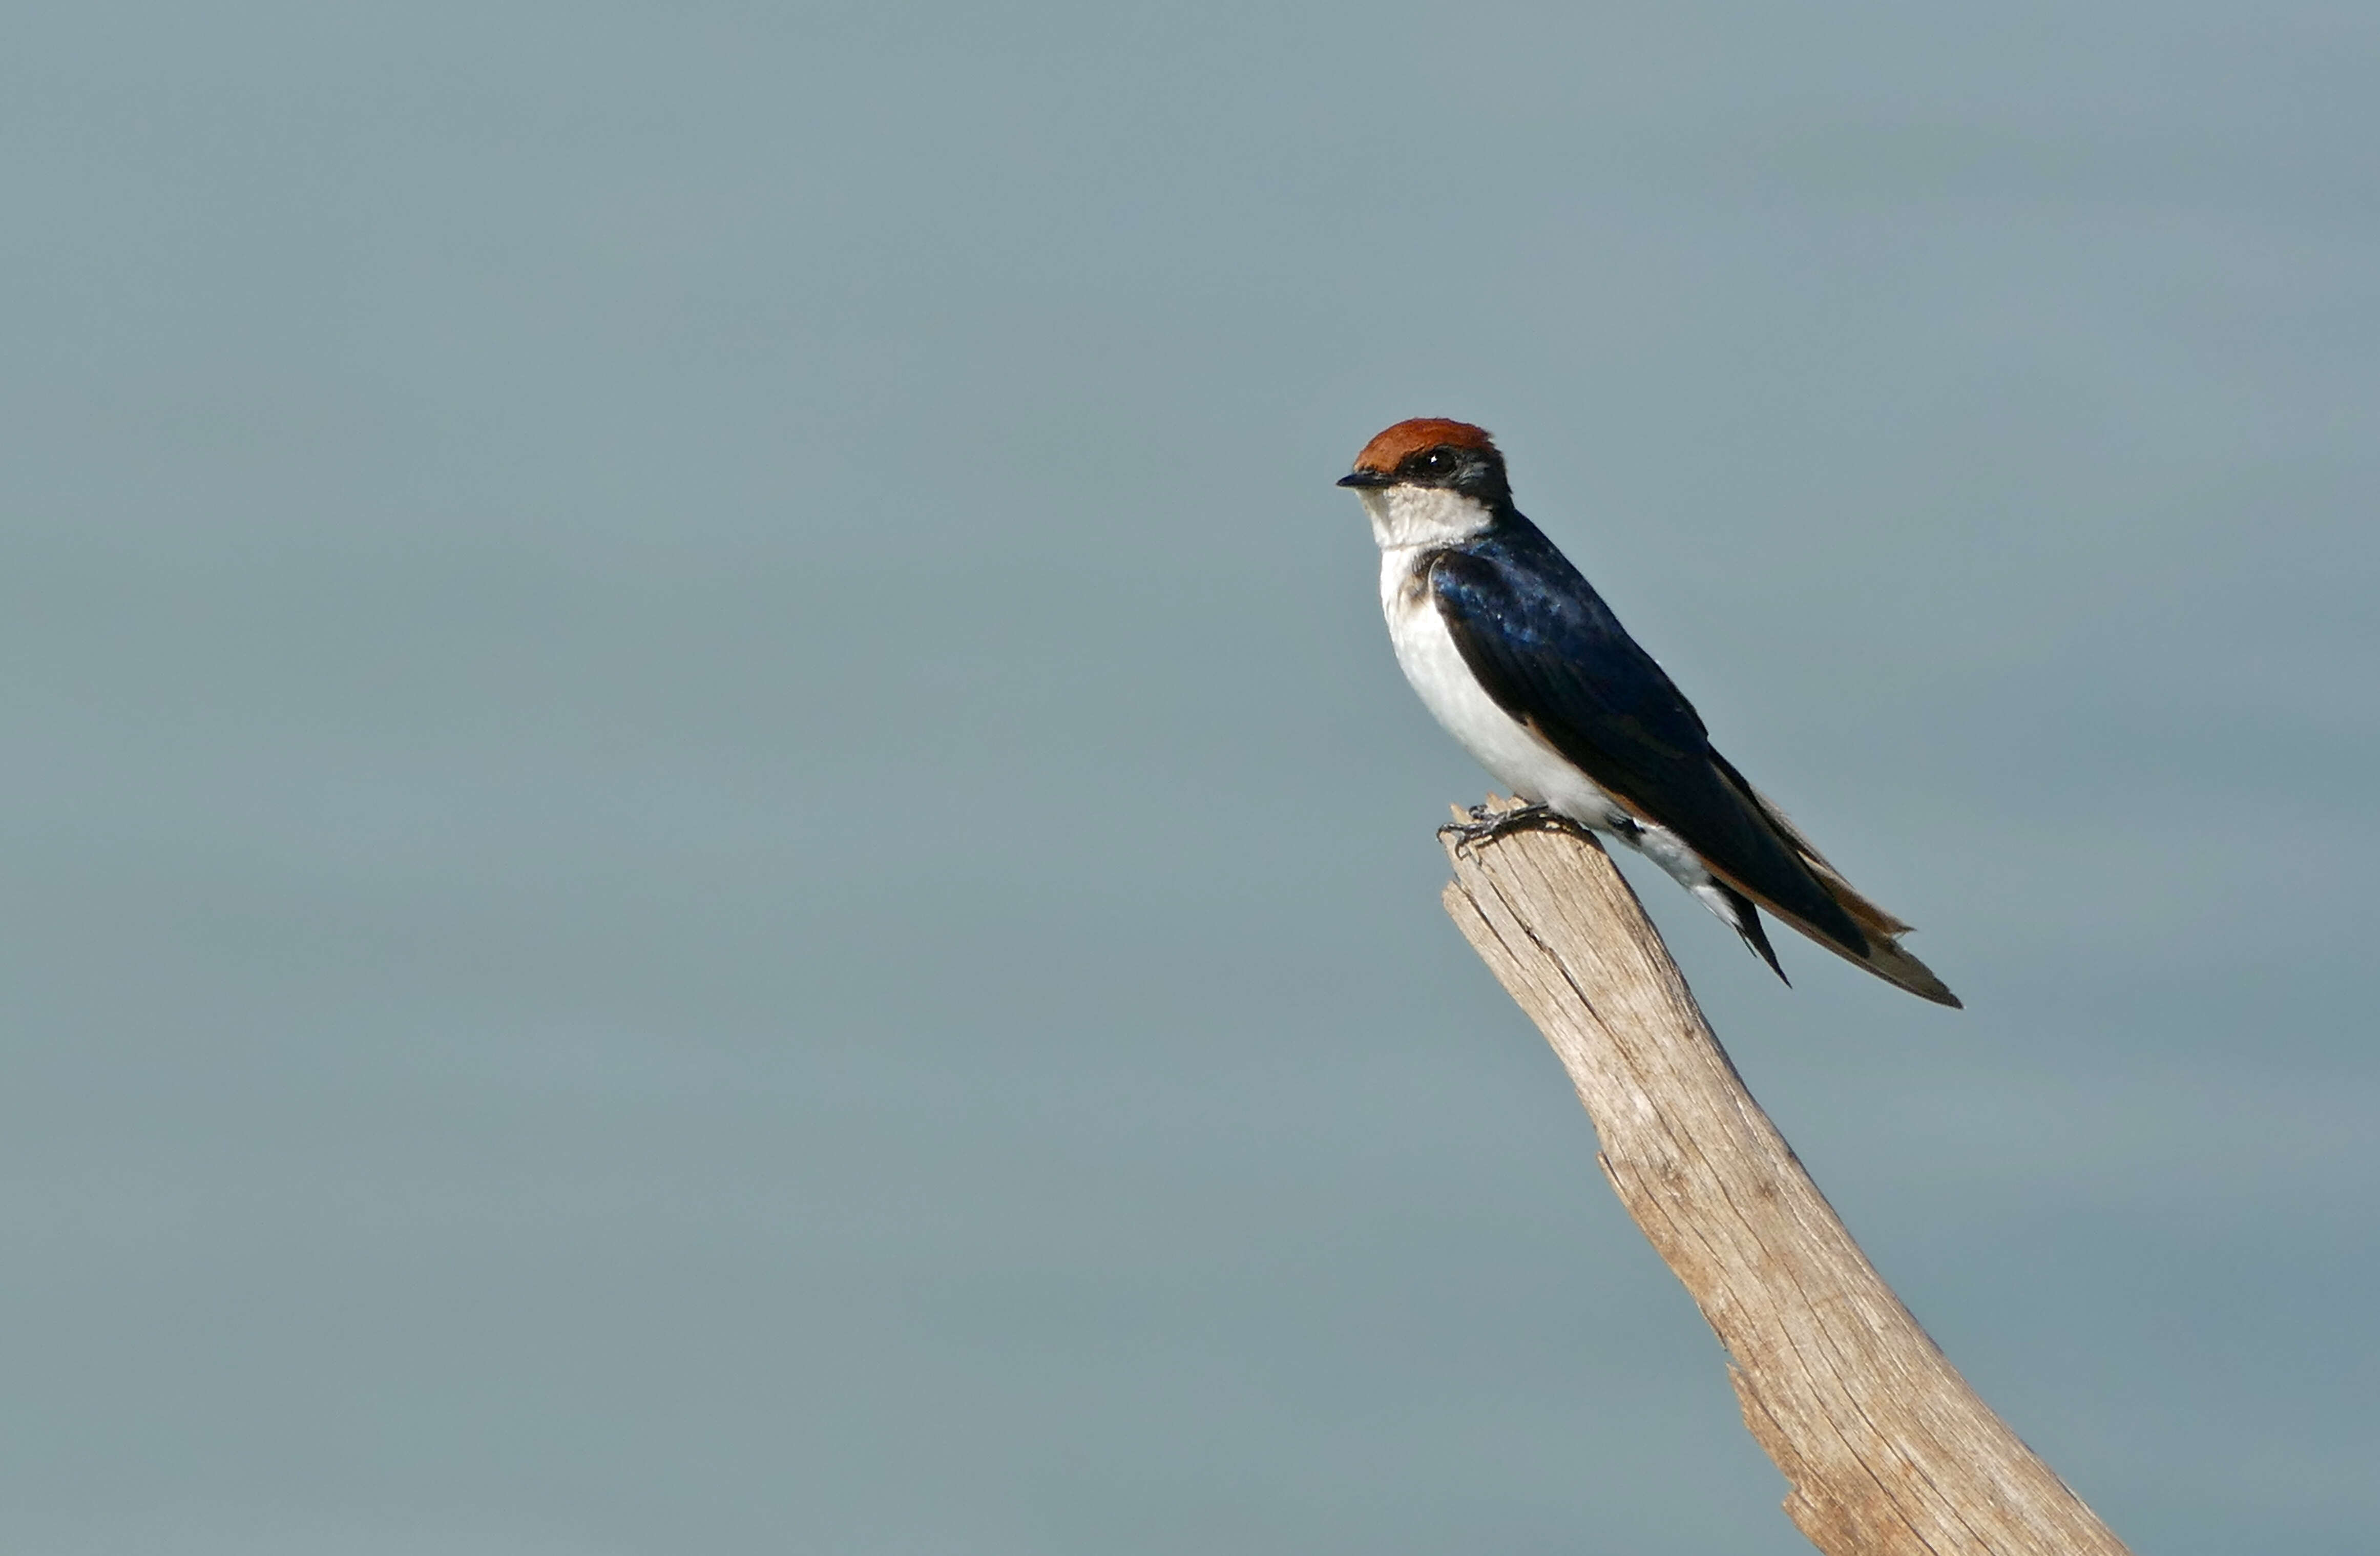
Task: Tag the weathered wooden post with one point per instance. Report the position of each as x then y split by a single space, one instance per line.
1886 1448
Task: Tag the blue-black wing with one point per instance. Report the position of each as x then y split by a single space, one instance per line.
1550 653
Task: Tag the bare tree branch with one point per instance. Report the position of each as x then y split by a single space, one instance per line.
1886 1448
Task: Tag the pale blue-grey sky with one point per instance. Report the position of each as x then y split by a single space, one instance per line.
712 847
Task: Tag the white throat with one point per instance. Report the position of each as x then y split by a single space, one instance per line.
1407 517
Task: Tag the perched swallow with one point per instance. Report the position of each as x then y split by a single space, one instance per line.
1523 662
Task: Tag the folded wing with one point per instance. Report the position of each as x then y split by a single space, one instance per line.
1545 646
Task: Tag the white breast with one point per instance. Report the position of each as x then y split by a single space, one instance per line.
1426 653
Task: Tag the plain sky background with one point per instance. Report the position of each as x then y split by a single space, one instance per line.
709 844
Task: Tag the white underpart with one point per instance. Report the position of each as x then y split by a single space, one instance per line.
1410 522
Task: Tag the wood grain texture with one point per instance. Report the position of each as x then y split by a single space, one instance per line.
1886 1449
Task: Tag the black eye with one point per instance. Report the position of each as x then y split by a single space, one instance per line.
1438 462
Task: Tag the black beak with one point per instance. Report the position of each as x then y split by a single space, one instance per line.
1368 478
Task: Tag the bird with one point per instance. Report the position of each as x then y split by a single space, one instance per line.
1518 656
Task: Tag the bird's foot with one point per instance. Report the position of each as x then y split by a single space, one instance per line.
1483 824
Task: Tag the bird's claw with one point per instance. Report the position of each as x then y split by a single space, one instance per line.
1485 825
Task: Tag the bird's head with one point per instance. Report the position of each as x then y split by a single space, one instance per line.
1429 481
